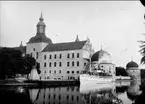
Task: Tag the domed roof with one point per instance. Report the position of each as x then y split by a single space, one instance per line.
40 38
99 55
131 64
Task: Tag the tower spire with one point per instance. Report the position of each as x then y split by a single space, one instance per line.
41 17
77 38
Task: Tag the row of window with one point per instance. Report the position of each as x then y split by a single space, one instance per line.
68 72
60 64
59 97
60 56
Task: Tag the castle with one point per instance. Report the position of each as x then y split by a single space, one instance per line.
65 61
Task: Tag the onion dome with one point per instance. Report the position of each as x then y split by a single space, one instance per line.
132 64
40 38
41 23
101 55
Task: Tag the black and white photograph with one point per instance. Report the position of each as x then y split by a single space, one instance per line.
72 52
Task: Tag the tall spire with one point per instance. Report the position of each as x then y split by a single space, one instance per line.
41 18
77 39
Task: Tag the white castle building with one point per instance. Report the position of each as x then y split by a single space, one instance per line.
65 61
58 60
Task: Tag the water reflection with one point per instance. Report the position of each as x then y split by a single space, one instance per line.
112 93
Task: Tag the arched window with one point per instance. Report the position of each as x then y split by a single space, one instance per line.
77 63
68 55
67 63
50 64
73 63
54 64
45 64
44 56
77 55
50 56
60 56
55 56
73 55
60 64
37 55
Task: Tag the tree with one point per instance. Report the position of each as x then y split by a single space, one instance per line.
142 51
11 62
28 63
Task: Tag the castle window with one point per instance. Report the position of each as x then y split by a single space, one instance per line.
60 56
72 55
60 64
77 55
77 63
54 64
68 55
59 71
50 56
50 64
72 98
44 56
37 55
72 72
59 97
67 63
67 72
49 71
45 64
54 71
55 56
73 63
67 97
77 72
77 98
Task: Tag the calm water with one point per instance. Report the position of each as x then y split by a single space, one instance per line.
113 93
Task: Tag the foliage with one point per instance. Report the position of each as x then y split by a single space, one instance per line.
12 63
142 51
121 71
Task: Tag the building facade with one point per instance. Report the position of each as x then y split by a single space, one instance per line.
101 63
62 61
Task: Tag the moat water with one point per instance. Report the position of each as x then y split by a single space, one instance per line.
123 92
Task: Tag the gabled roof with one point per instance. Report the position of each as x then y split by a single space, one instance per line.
64 46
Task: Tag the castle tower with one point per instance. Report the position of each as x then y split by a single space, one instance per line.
37 43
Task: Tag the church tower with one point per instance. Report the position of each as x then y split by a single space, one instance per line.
37 43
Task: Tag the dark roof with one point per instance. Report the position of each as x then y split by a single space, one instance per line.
40 38
131 64
64 46
97 55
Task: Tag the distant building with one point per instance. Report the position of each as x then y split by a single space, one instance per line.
58 60
101 62
133 70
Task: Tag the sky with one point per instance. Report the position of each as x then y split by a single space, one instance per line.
116 25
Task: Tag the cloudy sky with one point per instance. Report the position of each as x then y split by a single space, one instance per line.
117 25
